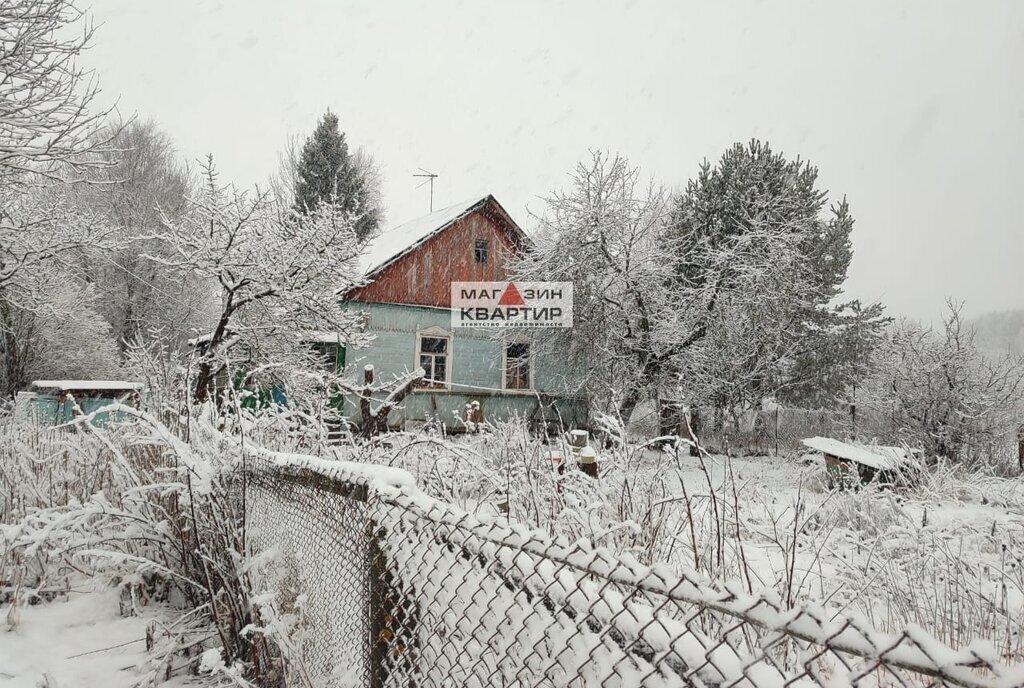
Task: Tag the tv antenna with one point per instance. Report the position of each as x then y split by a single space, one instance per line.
429 178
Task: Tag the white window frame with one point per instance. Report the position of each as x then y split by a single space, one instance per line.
437 333
505 342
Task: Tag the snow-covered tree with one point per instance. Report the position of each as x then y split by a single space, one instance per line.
70 339
48 124
144 182
940 391
43 233
752 239
324 171
723 296
278 272
49 133
605 235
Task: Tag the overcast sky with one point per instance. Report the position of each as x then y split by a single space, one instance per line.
914 110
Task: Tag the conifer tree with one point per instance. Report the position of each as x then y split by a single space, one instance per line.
326 172
819 352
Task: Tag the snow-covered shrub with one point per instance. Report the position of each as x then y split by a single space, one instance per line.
41 468
762 523
159 516
940 391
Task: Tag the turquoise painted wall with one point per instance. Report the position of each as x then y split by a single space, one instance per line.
49 410
475 360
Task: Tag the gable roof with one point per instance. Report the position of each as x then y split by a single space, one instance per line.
393 243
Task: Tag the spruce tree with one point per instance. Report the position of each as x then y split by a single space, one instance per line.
752 188
327 174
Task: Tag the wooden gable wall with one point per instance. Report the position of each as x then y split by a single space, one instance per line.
423 276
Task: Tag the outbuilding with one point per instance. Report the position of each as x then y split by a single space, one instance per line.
846 463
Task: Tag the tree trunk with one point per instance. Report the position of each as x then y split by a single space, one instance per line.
375 421
204 381
670 417
1020 448
207 371
629 404
696 427
13 373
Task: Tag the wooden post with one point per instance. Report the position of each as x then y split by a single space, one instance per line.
377 606
1020 448
364 400
588 461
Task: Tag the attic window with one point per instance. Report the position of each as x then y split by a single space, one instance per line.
480 251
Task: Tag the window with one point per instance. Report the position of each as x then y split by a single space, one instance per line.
517 365
432 351
480 251
329 355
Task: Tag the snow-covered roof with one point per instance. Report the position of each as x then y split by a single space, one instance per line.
874 456
86 384
322 337
395 242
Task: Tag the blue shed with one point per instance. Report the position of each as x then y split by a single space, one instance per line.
53 402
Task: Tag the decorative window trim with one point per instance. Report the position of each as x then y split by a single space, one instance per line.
438 333
532 358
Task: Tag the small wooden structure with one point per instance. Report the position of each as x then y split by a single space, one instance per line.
846 464
60 401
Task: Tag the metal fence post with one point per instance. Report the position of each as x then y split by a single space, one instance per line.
377 604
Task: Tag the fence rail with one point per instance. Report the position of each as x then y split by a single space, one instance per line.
392 588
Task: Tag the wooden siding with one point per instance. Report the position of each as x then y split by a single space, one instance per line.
424 276
475 363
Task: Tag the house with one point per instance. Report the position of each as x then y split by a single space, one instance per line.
406 306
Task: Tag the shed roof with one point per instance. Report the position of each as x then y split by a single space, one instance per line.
87 385
874 456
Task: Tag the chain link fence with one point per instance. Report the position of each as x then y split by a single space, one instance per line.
780 430
392 588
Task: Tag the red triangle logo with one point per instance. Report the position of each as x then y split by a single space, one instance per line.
511 297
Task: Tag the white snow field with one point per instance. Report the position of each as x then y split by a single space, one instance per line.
81 641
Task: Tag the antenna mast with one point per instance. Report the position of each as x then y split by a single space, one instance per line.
429 179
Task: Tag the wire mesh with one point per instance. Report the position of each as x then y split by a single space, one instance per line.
404 590
318 533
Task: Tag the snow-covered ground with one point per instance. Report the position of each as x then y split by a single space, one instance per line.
944 554
78 642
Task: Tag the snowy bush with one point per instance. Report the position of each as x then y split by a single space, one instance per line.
939 391
759 522
159 516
